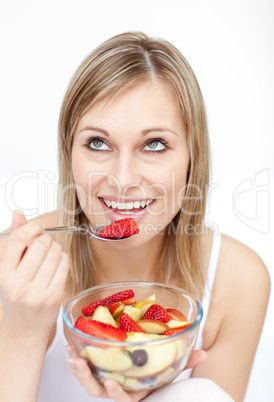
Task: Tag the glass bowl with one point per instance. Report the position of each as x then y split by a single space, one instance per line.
141 363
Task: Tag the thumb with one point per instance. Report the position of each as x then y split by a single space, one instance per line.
18 219
196 357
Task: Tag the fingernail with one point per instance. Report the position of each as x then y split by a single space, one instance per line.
74 364
109 387
41 223
69 349
18 212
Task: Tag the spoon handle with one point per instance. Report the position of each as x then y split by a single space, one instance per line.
51 230
61 229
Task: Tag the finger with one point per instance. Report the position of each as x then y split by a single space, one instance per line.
18 219
81 371
33 258
116 392
59 278
196 357
49 266
111 388
18 242
70 350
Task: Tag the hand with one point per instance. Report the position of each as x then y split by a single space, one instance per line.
111 389
33 271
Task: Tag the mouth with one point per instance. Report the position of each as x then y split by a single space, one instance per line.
127 208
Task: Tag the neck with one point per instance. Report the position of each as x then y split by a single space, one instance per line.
116 264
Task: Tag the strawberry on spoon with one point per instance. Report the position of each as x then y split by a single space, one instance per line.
120 229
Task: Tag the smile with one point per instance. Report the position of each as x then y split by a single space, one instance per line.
127 208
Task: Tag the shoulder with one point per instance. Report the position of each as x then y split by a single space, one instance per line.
241 266
241 288
237 263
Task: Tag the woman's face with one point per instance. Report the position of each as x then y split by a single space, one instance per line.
130 159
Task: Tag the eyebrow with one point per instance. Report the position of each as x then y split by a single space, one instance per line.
158 129
143 133
90 128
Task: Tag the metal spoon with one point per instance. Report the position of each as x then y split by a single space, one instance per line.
93 230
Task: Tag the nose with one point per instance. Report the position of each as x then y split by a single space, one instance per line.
126 175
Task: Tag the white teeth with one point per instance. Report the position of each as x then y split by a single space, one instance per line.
127 205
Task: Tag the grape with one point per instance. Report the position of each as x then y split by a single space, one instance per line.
139 357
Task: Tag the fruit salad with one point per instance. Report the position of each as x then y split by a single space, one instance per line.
120 317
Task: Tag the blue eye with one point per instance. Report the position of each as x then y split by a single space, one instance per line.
98 144
155 145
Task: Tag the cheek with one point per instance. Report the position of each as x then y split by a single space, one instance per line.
88 180
180 188
172 183
76 165
81 170
81 180
171 188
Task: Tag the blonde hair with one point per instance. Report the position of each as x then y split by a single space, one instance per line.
121 62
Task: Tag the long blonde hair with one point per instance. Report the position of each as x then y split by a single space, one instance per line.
121 62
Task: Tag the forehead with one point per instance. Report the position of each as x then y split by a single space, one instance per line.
149 102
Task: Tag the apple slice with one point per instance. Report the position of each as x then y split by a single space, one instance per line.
177 324
152 326
142 302
104 375
160 357
103 314
176 314
116 309
133 312
132 384
166 373
181 348
83 354
142 337
110 359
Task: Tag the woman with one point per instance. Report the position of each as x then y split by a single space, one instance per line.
132 141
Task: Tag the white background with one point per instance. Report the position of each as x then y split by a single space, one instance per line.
230 46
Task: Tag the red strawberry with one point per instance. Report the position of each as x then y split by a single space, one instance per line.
173 331
102 331
157 312
78 323
118 229
127 324
123 296
126 296
89 310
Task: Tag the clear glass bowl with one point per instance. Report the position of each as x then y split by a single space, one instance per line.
165 358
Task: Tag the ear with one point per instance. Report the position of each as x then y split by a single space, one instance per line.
18 219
